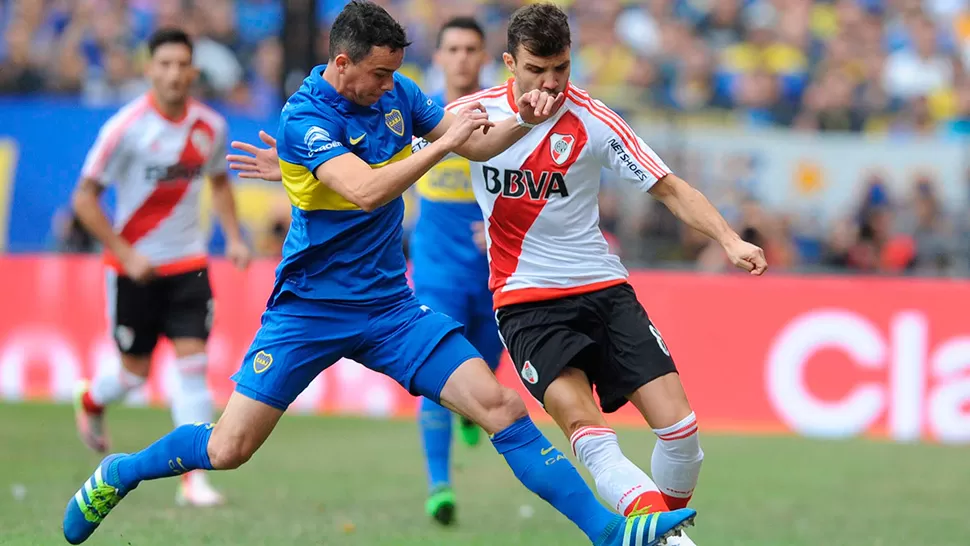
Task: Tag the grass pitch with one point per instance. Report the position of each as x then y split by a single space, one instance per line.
359 482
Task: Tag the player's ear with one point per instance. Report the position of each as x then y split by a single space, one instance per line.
341 61
509 61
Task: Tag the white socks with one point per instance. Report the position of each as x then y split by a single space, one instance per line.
113 386
619 482
192 400
676 461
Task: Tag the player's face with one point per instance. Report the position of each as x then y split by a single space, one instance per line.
171 72
366 81
461 57
547 74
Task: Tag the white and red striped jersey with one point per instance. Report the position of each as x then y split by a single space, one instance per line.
157 166
540 197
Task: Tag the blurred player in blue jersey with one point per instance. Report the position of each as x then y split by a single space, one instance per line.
447 245
344 143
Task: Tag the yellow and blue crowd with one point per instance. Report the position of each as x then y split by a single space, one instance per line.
891 67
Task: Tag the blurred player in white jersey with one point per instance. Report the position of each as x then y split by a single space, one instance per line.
157 152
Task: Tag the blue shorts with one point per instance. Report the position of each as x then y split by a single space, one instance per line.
299 338
473 308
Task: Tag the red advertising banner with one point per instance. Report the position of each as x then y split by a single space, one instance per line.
827 357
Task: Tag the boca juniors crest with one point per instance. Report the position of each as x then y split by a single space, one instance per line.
561 146
395 121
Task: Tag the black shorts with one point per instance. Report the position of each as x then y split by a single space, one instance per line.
176 306
605 333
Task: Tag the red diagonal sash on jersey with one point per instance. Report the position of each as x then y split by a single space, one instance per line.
512 217
160 204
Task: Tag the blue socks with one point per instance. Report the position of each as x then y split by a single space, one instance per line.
182 450
549 474
434 421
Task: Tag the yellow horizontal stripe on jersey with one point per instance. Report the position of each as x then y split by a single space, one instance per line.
308 193
450 180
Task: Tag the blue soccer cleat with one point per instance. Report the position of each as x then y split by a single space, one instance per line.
651 529
92 503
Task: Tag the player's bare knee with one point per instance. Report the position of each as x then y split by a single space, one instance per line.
503 406
229 449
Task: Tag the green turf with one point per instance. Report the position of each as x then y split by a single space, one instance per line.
324 481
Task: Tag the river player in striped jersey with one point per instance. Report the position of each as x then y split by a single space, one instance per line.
157 152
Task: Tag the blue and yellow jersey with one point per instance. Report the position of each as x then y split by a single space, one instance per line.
334 250
442 247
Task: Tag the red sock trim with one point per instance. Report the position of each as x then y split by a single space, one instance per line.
588 431
89 404
675 503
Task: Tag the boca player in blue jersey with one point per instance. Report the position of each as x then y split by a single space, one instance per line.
341 290
448 245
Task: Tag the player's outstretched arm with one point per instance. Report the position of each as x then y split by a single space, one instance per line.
262 164
86 203
534 108
691 207
370 188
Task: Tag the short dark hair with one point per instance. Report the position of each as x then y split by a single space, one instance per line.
364 25
463 23
542 29
168 35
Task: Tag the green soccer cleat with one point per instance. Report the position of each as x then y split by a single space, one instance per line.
471 434
441 505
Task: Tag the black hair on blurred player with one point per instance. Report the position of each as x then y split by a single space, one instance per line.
542 29
464 23
168 35
362 26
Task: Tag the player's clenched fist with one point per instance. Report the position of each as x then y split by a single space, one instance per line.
537 106
746 256
467 120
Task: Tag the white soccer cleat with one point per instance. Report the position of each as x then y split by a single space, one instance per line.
195 490
90 425
682 540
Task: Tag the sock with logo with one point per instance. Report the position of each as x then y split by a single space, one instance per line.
110 387
545 471
619 482
184 449
435 423
676 461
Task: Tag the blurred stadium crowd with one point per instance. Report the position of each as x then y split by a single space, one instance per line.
896 67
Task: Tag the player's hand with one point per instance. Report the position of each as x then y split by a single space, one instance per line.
467 120
746 256
137 267
478 234
260 164
238 254
537 106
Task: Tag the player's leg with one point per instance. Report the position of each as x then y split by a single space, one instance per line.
643 372
435 421
677 455
289 350
551 346
619 482
482 332
132 310
427 355
187 320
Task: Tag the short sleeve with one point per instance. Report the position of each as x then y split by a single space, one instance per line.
309 139
426 114
621 150
106 160
216 165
